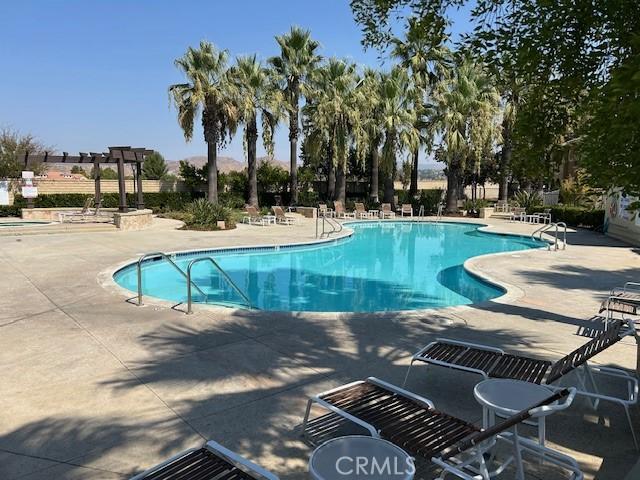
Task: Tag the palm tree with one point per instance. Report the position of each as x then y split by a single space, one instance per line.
209 91
297 59
372 123
332 117
467 106
398 123
257 95
427 61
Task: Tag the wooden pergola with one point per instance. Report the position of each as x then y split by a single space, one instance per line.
118 155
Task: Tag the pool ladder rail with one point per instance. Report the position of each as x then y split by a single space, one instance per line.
336 227
556 228
188 278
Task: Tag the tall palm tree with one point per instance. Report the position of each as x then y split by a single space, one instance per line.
467 106
209 91
332 117
398 123
372 123
427 60
298 57
257 95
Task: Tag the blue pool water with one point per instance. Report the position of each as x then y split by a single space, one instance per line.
383 267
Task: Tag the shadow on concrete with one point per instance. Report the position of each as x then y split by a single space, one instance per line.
576 277
244 382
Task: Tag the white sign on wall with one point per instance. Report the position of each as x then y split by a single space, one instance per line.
29 191
4 192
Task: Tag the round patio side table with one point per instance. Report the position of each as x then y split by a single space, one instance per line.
360 457
503 397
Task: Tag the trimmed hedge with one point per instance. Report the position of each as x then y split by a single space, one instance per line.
9 211
428 199
156 201
575 216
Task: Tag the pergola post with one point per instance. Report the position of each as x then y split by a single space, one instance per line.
97 202
140 202
122 207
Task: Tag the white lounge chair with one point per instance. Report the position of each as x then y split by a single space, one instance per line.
362 212
85 215
325 211
386 211
341 212
253 217
281 217
406 209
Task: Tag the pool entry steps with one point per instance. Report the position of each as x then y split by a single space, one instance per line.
187 276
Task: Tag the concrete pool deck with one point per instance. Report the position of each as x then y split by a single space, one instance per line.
96 388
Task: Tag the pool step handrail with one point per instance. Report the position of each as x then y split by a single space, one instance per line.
166 257
327 220
555 227
224 274
441 205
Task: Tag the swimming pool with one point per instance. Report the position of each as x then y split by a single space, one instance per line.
384 266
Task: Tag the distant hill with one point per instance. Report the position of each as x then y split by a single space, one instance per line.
225 164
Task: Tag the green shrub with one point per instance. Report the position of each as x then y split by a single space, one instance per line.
231 200
474 206
575 216
308 198
9 211
528 200
202 215
429 199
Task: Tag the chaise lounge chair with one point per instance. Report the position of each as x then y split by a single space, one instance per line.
341 212
361 212
406 209
85 215
413 423
281 218
386 211
493 362
625 300
253 217
210 462
325 211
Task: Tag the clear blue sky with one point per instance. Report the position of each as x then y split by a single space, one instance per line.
82 75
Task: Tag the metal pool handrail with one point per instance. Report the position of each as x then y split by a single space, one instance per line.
545 228
332 223
224 274
171 262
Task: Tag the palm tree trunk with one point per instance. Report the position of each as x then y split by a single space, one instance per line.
293 150
389 187
212 172
252 171
389 190
413 188
331 181
375 170
341 184
453 185
505 161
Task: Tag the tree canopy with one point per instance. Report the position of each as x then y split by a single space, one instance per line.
154 167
